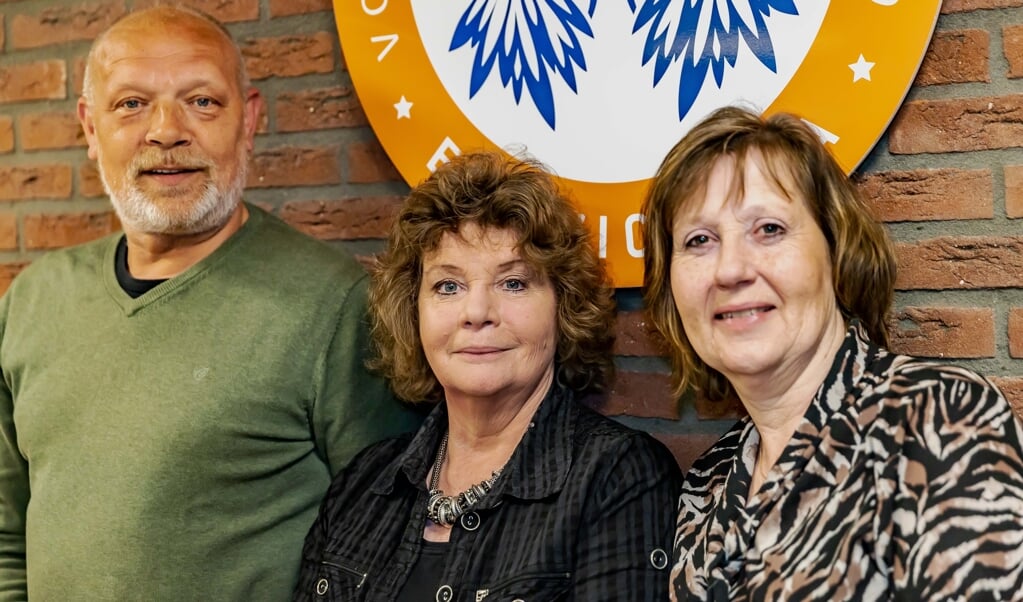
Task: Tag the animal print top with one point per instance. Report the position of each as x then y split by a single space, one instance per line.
903 481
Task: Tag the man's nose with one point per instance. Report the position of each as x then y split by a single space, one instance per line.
166 127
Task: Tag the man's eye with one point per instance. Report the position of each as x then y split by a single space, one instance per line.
204 103
131 103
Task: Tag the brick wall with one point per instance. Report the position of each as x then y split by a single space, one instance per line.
947 177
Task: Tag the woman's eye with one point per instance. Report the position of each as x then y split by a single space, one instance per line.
698 240
772 229
514 284
447 288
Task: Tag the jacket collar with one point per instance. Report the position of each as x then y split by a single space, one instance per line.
537 468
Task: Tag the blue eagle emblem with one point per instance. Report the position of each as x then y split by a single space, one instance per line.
527 43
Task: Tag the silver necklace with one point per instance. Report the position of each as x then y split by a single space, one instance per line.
443 509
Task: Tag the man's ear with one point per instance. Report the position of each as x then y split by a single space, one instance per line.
88 127
253 109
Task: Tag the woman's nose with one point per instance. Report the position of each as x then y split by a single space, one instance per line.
734 263
479 306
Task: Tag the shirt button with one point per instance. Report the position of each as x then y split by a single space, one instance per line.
444 594
658 558
321 587
470 521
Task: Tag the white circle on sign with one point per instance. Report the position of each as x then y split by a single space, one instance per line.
617 125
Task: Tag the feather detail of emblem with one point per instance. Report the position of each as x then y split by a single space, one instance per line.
702 35
527 40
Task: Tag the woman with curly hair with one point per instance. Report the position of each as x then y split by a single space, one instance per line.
490 301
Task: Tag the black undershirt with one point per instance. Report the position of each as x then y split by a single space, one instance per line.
131 285
424 579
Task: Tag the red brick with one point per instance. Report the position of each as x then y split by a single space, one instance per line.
322 109
263 121
8 231
226 11
960 262
288 56
6 134
955 57
1016 332
39 131
635 337
283 8
35 182
961 6
963 124
62 24
643 394
77 75
41 80
949 332
89 182
53 231
7 273
368 163
687 448
350 219
726 409
295 166
1013 190
1012 46
1012 389
930 194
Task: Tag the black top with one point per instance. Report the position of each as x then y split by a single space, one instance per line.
585 509
425 575
131 285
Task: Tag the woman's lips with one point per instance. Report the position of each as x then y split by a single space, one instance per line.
742 313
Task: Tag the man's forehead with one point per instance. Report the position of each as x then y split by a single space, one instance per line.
148 48
144 41
159 30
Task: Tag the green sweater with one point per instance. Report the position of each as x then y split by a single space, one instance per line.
177 446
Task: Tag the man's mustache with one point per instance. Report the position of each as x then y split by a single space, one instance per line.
176 159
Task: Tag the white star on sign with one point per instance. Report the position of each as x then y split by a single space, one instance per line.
404 108
861 69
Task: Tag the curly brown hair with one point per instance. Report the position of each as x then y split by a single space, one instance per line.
795 161
493 191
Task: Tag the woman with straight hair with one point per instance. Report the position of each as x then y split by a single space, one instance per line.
858 474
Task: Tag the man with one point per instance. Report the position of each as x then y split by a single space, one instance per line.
175 401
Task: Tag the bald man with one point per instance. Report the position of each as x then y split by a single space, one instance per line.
176 399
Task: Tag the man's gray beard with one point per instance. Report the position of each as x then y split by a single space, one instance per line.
210 212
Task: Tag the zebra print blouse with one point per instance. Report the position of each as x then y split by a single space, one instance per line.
904 481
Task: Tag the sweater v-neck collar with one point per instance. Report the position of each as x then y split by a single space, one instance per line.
131 306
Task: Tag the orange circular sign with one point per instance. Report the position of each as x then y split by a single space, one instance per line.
600 94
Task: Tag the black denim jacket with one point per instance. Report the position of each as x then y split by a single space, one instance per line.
584 510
